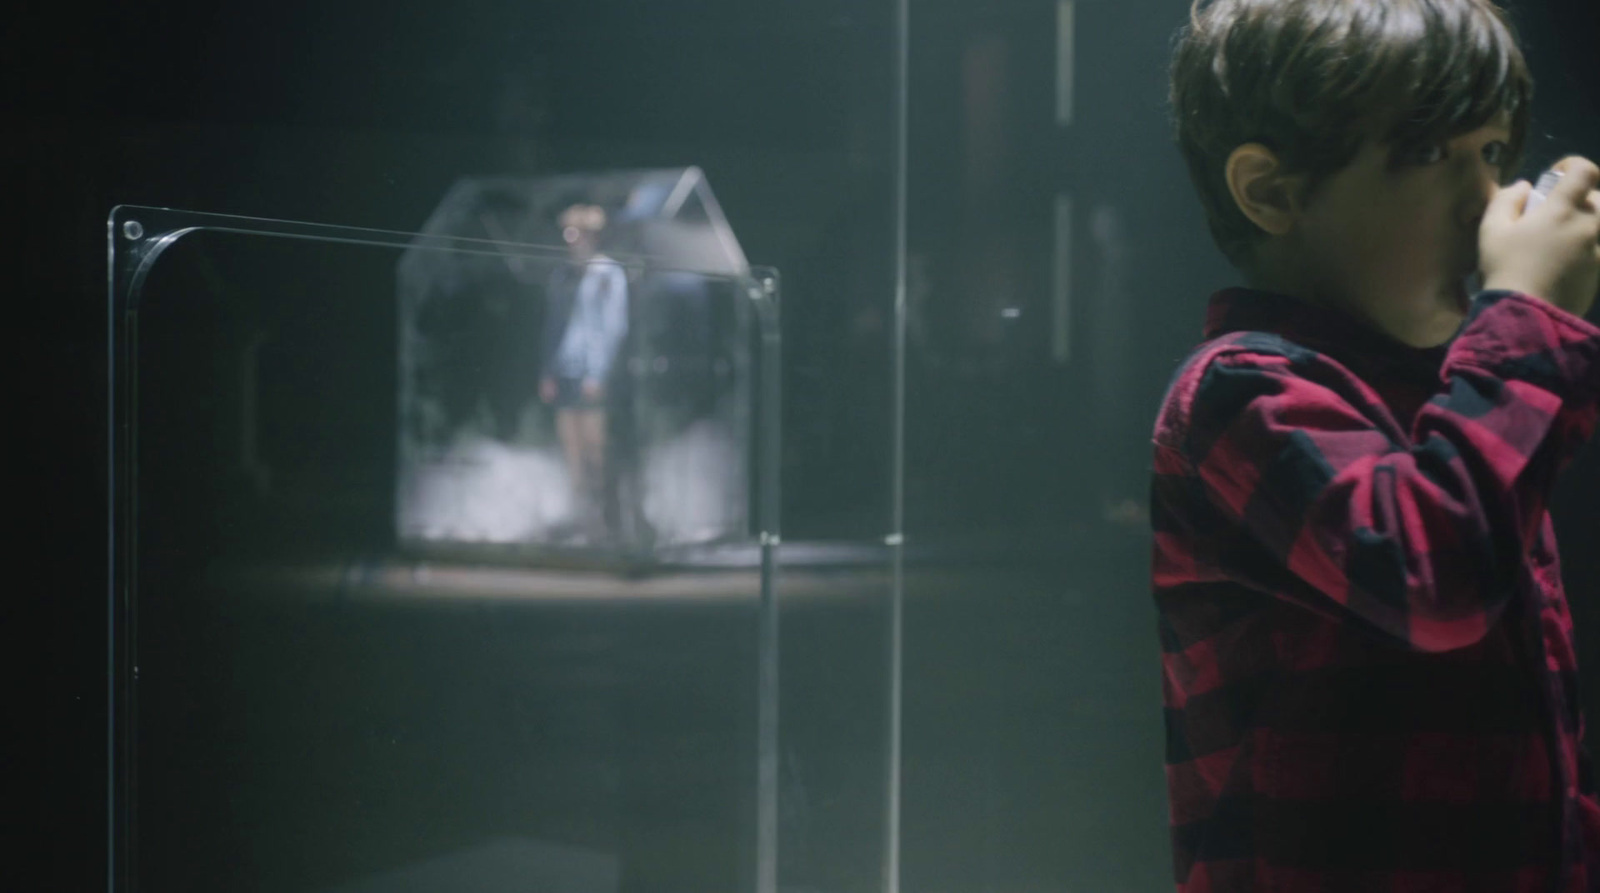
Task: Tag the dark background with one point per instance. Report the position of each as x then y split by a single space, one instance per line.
364 113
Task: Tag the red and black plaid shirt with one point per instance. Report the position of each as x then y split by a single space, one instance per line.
1369 673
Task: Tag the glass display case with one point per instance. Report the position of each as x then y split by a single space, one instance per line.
305 698
500 451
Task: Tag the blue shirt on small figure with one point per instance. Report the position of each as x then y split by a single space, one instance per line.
596 316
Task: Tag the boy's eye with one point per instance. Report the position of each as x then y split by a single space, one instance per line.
1495 153
1429 154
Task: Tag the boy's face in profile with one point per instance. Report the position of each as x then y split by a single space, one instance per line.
1393 236
580 227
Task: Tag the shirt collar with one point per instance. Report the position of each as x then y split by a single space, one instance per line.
1369 352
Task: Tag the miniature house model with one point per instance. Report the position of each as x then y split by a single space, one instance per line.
659 304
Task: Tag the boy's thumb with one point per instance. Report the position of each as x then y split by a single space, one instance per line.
1510 201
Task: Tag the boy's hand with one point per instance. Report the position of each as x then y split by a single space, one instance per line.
1552 252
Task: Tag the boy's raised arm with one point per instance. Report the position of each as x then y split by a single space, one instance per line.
1420 539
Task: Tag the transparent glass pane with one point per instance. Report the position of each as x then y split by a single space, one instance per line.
444 563
1035 357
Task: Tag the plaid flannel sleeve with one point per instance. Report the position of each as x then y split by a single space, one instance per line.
1419 533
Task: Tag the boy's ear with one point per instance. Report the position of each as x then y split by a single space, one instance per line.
1266 195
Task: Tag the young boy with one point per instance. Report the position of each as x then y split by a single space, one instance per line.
586 320
1369 674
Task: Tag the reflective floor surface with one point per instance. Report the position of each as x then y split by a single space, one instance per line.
346 726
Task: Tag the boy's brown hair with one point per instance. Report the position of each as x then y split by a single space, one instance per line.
1312 80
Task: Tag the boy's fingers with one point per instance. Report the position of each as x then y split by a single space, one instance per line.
1571 162
1510 201
1579 177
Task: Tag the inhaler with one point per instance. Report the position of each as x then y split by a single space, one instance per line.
1541 190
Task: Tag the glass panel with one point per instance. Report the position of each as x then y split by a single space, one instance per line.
1039 341
402 603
